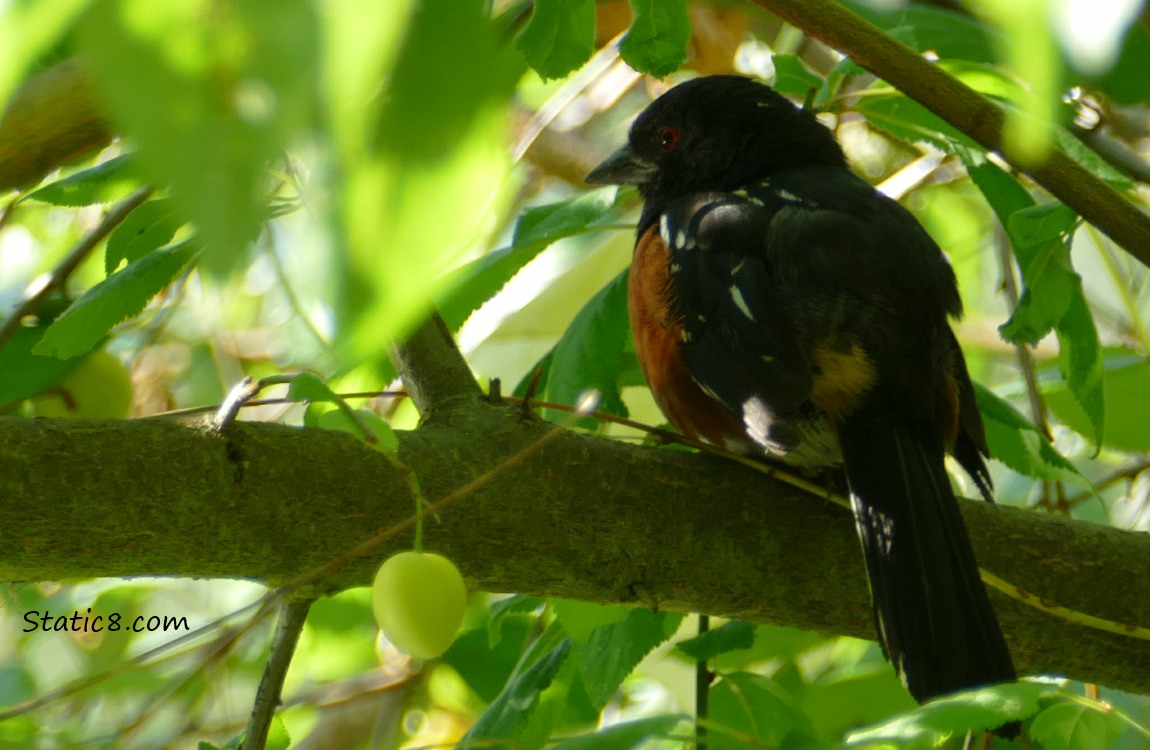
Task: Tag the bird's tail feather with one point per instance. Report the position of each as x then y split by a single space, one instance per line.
932 612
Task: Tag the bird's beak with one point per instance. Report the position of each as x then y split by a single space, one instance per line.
624 167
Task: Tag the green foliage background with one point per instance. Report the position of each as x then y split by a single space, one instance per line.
324 172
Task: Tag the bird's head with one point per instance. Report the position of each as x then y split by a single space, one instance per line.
716 133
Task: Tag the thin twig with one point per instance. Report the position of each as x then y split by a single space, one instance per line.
58 277
293 615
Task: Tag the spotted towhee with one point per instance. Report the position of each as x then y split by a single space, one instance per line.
781 306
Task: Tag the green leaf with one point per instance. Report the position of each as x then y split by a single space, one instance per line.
731 636
1051 286
1090 160
422 176
116 298
559 37
792 77
1125 83
484 666
1016 442
106 182
211 94
509 712
307 386
500 610
624 736
152 225
579 619
536 229
657 41
947 33
29 29
1006 195
1037 225
278 737
1076 725
1125 382
1080 362
612 651
890 111
953 715
24 374
590 353
752 710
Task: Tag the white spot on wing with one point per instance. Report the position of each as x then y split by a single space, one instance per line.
665 229
737 298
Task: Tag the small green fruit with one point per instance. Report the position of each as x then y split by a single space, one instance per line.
99 388
419 600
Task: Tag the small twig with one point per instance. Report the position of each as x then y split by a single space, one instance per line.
529 393
432 368
495 391
58 277
293 615
702 691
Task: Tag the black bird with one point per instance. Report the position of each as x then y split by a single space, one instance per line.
781 306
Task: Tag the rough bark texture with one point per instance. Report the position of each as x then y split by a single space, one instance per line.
584 518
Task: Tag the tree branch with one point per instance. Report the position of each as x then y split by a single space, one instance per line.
583 517
433 371
965 109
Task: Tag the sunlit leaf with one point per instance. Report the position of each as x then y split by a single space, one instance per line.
510 711
151 225
657 41
116 298
579 619
103 183
624 736
613 650
590 353
559 37
792 77
211 93
1125 381
1016 442
1076 725
954 715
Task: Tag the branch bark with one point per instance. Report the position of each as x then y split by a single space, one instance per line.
584 518
965 109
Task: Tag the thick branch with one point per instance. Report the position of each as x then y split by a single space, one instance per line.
433 370
584 518
965 109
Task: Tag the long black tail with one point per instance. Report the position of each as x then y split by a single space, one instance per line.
933 616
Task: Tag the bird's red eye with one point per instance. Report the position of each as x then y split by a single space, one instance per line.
667 138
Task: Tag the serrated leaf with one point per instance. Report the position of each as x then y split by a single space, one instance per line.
509 712
1043 223
752 710
24 374
559 37
152 225
1080 362
731 636
1072 725
1051 285
553 221
535 231
580 619
116 298
953 715
589 355
487 667
515 604
612 651
106 182
624 736
657 41
1006 195
1016 442
211 95
792 77
1125 383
